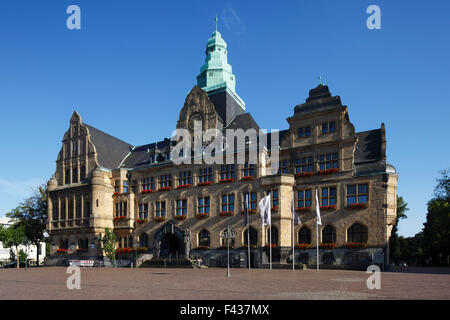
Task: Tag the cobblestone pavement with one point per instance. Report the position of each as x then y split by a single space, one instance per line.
106 283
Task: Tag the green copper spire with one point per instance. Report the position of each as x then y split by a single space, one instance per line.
216 74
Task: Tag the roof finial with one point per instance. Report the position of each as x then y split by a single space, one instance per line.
320 81
216 21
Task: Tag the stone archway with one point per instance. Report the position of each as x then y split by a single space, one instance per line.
171 239
170 245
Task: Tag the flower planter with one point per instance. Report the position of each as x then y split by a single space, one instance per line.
119 218
327 246
207 183
141 249
304 174
227 180
116 193
147 191
180 217
303 246
61 250
355 245
142 221
159 219
329 171
202 215
252 246
356 206
324 208
273 245
184 186
247 178
165 188
274 209
226 213
124 250
251 211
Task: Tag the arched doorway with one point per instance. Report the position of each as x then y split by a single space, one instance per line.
170 245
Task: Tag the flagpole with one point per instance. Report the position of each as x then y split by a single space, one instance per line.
270 240
293 250
248 230
317 232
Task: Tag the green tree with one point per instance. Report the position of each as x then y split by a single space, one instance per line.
436 231
109 245
395 241
13 236
32 214
23 256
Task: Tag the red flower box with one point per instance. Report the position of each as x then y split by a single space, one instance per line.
275 208
250 211
124 250
328 245
202 215
147 191
180 217
226 213
205 183
252 246
303 246
141 221
247 178
304 174
357 206
184 186
324 208
227 180
329 171
273 245
355 245
303 209
159 219
116 193
165 188
62 250
119 218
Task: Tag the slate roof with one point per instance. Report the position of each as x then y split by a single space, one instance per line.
243 121
226 106
140 156
368 147
111 151
319 99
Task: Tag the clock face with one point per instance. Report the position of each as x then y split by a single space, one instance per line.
195 120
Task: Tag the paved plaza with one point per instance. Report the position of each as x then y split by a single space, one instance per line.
107 283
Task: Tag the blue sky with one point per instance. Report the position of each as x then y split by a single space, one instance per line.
129 68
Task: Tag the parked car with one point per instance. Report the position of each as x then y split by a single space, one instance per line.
14 265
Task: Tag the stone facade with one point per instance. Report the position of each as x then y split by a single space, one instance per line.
102 182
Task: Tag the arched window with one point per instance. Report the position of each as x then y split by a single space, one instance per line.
223 241
125 242
143 240
253 236
203 238
274 235
120 242
357 233
304 235
329 234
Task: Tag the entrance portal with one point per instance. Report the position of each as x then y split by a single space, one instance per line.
170 244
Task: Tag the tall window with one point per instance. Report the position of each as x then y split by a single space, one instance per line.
125 186
328 161
305 164
148 184
203 205
304 132
78 208
329 234
252 199
143 210
143 240
205 175
67 177
75 175
160 208
165 181
357 233
283 167
357 193
274 197
228 203
63 209
117 186
203 238
121 209
273 235
328 196
249 170
227 172
83 173
70 208
87 207
181 207
253 236
304 235
328 127
55 210
304 198
184 178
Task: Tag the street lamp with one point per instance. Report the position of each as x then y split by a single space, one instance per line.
228 235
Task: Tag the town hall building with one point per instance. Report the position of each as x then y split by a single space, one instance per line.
159 209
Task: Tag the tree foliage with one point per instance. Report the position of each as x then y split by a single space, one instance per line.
109 244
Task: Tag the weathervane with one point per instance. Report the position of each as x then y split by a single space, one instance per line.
320 81
216 21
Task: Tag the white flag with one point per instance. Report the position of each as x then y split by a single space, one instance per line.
265 210
318 209
295 216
